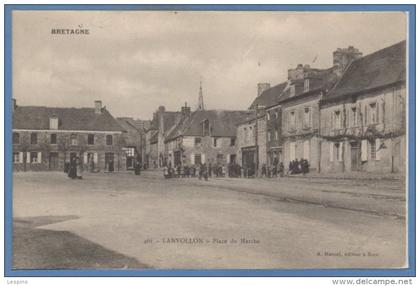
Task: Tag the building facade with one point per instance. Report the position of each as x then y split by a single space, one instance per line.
363 119
204 136
46 138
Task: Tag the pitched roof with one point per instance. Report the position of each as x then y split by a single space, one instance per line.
270 96
223 123
37 118
382 68
169 119
135 124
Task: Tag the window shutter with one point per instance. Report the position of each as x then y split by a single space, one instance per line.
39 157
366 115
95 158
378 149
228 158
192 159
340 152
292 150
364 150
20 157
85 161
203 158
332 120
377 112
306 150
28 157
331 151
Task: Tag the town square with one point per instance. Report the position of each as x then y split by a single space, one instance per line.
209 140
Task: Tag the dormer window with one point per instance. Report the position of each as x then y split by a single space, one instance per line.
292 90
206 127
53 122
306 85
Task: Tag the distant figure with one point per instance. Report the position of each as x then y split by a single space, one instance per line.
137 168
79 168
111 166
72 172
263 171
281 169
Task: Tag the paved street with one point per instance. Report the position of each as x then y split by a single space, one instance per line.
222 223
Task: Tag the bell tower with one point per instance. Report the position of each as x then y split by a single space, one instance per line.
200 98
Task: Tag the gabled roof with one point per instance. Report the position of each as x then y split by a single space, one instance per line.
223 123
134 124
169 119
269 97
38 118
382 68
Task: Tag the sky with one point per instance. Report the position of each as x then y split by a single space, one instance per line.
135 61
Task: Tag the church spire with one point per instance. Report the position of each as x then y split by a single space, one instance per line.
200 98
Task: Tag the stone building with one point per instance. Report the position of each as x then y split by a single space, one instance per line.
269 98
45 138
204 136
134 138
252 141
155 136
363 118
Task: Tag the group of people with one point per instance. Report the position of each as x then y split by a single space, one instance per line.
272 171
75 168
234 170
298 167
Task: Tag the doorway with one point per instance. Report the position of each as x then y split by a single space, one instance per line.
53 161
355 156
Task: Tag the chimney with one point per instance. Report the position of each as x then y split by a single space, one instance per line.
14 104
185 111
342 58
98 107
261 87
161 108
298 72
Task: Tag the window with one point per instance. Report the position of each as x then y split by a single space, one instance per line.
232 141
91 139
373 150
206 127
373 114
197 159
108 139
73 140
215 142
53 139
197 141
292 90
16 157
34 138
337 151
219 159
53 122
307 117
34 157
15 138
292 120
130 151
306 85
353 117
337 119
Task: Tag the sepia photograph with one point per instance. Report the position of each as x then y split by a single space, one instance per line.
209 140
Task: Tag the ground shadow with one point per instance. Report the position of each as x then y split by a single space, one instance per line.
48 249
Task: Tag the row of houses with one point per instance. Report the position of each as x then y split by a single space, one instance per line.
46 138
348 117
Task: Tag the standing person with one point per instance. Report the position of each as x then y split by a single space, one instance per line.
281 169
210 170
111 166
263 171
79 168
137 168
72 173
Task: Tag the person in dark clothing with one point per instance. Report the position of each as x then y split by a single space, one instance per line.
111 166
137 167
210 170
263 171
72 169
178 171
